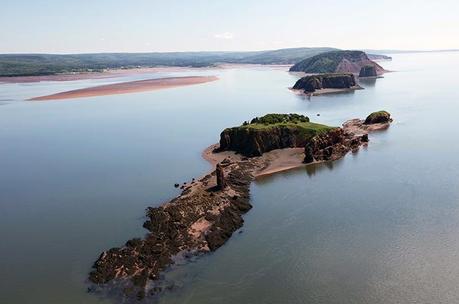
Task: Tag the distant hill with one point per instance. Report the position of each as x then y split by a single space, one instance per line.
368 51
336 62
378 57
49 64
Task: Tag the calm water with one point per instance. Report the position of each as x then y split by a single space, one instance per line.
379 226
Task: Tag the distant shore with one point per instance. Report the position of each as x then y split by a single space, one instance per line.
129 87
114 73
109 73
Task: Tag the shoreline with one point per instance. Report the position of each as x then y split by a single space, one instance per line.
208 211
114 73
107 73
327 91
128 87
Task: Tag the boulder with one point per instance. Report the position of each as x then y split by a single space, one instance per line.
378 117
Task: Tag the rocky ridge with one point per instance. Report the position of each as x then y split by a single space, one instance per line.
336 62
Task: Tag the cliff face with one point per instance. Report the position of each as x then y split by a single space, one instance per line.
251 142
310 84
262 136
336 62
368 71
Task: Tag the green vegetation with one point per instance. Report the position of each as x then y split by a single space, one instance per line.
47 64
291 121
270 119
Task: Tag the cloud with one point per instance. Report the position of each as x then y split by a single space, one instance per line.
225 35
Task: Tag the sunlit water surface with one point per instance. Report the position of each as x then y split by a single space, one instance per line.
379 226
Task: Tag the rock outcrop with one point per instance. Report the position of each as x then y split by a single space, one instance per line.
200 220
336 62
332 145
368 71
270 132
309 84
378 117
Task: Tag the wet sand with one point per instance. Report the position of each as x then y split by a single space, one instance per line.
129 87
275 161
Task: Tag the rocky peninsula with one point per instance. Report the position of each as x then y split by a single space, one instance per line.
209 210
326 83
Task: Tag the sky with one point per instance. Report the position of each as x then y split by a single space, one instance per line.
89 26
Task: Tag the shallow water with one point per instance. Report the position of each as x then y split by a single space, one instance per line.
379 226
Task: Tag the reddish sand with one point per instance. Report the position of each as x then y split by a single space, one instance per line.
129 87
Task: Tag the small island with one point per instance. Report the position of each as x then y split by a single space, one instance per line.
209 209
319 84
336 62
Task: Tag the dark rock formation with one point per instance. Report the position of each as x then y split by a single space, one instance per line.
332 145
265 134
199 220
378 117
310 84
368 71
336 62
221 183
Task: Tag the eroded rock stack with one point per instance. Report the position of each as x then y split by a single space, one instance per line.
219 172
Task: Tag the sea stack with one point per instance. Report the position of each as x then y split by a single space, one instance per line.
368 71
220 177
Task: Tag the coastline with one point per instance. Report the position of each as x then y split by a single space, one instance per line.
114 73
128 87
108 73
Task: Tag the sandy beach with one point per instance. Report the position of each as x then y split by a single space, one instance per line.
129 87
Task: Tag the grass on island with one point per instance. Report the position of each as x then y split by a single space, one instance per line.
293 121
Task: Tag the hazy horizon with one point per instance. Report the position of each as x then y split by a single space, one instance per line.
70 27
383 51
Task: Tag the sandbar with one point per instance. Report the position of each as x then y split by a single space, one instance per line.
129 87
